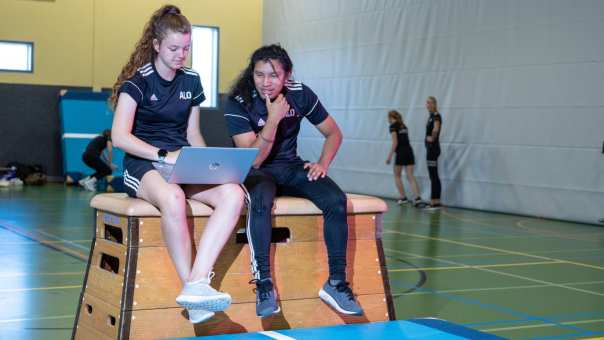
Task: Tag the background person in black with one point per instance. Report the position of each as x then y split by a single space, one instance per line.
404 156
98 155
157 113
264 110
433 128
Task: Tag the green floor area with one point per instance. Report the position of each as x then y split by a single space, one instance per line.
513 276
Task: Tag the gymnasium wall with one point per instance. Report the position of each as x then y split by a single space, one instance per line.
84 43
518 83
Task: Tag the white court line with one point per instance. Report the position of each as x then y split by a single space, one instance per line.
275 335
19 274
17 290
512 252
469 290
541 325
40 318
63 240
504 273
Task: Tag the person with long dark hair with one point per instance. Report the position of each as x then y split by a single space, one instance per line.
401 147
433 129
156 101
264 110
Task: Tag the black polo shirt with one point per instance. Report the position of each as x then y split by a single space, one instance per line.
303 103
163 107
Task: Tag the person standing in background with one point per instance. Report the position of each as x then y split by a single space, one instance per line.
404 157
433 128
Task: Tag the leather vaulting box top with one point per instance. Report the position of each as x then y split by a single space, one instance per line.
121 204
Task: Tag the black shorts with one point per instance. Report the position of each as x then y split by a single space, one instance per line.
134 170
404 157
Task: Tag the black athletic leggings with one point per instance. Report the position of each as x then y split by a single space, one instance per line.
265 183
433 151
94 161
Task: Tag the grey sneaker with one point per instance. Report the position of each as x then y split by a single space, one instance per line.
266 298
199 315
340 297
200 295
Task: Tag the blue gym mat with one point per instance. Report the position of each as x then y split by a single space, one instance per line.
411 329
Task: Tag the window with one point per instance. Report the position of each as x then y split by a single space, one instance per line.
204 60
16 56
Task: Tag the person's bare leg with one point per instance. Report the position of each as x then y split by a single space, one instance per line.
170 200
412 181
397 169
227 201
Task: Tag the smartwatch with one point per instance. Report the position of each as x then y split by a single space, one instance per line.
161 155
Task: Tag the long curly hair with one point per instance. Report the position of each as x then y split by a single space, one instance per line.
163 21
244 85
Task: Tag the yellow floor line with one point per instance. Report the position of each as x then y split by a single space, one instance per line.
16 290
499 250
474 266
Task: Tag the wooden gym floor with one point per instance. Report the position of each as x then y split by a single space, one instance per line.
511 276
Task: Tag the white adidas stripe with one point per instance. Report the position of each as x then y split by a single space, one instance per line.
138 88
313 107
238 116
131 181
253 263
130 186
146 73
132 178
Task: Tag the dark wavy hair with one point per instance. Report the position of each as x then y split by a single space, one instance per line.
244 85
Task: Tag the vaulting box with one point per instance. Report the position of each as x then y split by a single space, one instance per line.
130 285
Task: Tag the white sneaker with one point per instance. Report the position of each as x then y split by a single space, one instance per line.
90 184
200 295
83 180
199 315
16 181
402 201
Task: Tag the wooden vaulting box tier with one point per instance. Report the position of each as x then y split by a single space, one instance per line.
130 285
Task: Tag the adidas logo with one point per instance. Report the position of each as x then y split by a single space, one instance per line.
153 98
261 122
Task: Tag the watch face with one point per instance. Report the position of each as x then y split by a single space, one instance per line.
162 152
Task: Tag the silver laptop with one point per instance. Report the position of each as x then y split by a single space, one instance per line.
208 165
